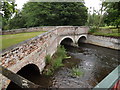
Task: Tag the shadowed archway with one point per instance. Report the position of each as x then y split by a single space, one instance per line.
66 41
29 72
81 40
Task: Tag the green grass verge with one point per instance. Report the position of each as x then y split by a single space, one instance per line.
107 27
108 34
105 31
12 39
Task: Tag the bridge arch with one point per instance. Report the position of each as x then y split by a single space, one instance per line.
82 39
27 72
67 40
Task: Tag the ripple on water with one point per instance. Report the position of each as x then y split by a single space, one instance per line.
93 61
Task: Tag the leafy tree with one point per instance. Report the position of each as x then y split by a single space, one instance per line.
8 9
97 18
113 13
17 21
54 13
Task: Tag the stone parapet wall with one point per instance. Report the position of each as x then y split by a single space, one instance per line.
109 42
32 51
23 30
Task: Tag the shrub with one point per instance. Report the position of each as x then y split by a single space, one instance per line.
92 30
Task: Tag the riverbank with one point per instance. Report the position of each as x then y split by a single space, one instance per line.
108 31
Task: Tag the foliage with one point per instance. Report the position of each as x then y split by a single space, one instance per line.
106 31
61 52
48 59
17 21
113 13
57 62
54 63
49 72
12 39
94 20
50 14
107 34
8 9
76 72
92 30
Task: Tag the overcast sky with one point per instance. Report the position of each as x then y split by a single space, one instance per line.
88 3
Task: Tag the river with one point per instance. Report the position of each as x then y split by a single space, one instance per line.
94 62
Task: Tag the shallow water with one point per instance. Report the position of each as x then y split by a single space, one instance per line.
94 62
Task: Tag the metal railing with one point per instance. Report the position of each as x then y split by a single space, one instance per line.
110 80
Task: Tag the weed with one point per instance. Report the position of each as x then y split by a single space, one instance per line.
76 72
55 62
49 72
48 59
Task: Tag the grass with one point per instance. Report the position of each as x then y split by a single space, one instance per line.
53 63
76 72
12 39
108 34
107 27
105 31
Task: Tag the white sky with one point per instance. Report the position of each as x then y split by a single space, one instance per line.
88 3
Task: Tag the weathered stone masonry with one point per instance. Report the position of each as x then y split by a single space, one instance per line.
113 43
34 50
23 30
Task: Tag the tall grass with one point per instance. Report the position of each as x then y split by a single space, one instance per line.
54 63
48 59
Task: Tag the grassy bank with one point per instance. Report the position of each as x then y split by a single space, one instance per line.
105 31
9 40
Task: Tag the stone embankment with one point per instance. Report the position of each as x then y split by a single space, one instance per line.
109 42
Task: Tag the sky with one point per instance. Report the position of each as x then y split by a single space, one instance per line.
88 3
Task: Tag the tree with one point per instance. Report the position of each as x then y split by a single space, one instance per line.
54 13
8 9
113 14
17 21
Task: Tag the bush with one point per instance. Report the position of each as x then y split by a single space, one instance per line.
93 30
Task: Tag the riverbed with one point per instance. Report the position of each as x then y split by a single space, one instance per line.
94 62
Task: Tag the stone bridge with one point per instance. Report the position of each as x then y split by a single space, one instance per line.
32 52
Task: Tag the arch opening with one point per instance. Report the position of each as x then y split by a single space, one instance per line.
66 41
29 72
81 40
